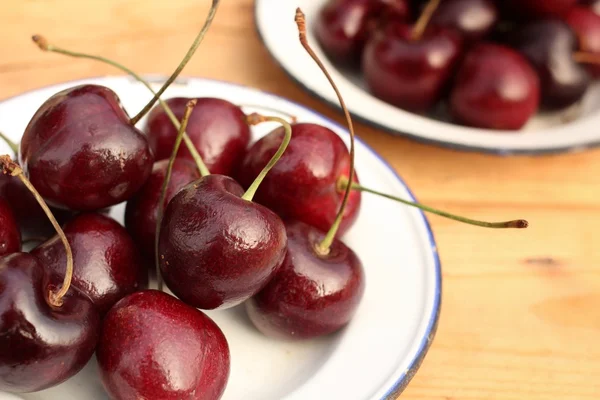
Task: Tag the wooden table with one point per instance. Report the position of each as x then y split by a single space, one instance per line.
521 309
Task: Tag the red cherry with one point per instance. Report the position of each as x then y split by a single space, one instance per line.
586 25
10 236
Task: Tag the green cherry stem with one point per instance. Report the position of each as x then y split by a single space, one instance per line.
44 45
255 119
211 15
163 194
519 223
323 247
10 167
13 146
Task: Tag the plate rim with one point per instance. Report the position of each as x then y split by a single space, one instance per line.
440 143
402 381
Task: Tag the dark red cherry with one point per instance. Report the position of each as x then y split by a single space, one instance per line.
81 152
303 184
549 45
473 19
593 5
217 249
40 345
10 236
217 128
586 25
343 26
537 8
311 294
142 209
410 73
495 88
153 346
107 265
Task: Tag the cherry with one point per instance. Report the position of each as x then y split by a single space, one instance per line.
48 333
549 45
142 210
495 88
593 5
343 26
586 25
410 66
538 8
473 19
107 266
217 128
216 247
154 346
303 184
10 236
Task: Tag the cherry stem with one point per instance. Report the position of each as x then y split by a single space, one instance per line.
255 119
45 46
519 223
293 119
13 146
211 15
586 58
163 194
323 247
424 19
12 168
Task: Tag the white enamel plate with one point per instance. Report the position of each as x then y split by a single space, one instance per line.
376 355
570 130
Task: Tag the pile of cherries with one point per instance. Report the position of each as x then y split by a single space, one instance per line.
262 228
489 64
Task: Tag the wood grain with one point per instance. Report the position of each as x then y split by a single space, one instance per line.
521 310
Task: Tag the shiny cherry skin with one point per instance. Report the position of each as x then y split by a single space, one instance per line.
81 152
10 236
343 26
303 185
40 345
473 19
217 128
311 295
142 209
217 249
549 46
593 5
495 88
586 25
153 346
106 264
410 74
537 8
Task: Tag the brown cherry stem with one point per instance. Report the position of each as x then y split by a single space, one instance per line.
13 146
45 46
163 194
424 19
586 57
211 15
255 119
12 168
323 247
519 223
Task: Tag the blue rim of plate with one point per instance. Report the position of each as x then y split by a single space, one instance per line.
415 137
406 376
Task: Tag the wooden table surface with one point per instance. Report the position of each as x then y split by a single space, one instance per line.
521 309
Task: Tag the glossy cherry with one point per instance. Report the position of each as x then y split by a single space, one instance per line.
343 26
82 153
473 19
41 345
107 265
303 184
311 294
593 5
586 25
549 45
537 8
153 346
495 88
217 128
142 209
10 236
217 249
407 72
